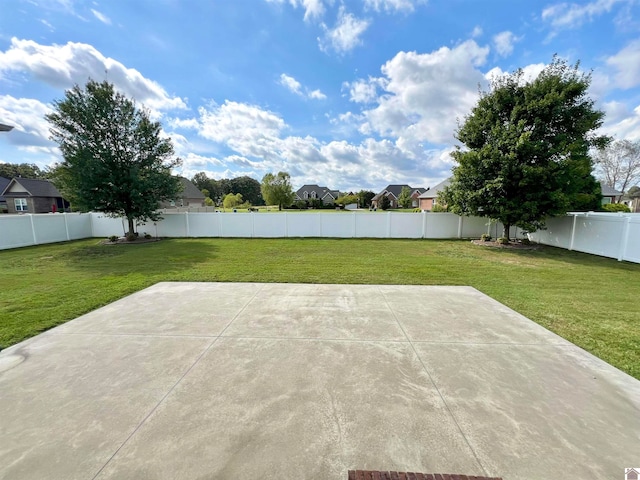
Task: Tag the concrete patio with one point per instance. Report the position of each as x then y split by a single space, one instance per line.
288 381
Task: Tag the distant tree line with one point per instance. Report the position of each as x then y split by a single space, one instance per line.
217 190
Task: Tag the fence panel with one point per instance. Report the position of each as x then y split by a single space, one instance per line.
271 225
371 225
235 225
336 225
631 244
441 225
303 224
598 235
408 225
204 224
15 231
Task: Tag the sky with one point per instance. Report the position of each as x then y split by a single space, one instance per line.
351 94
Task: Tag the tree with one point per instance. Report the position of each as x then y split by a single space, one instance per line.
619 164
249 188
276 189
634 192
25 170
347 199
232 200
114 159
365 197
385 203
527 149
404 200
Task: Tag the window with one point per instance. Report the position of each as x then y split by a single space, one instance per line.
305 195
21 204
313 194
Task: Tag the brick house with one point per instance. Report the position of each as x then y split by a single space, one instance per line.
430 198
311 192
29 195
392 192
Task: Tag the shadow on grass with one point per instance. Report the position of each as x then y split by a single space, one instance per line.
156 258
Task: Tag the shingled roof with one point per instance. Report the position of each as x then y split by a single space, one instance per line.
189 190
433 192
34 187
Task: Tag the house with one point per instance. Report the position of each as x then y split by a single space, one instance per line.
631 474
29 195
189 197
3 201
311 192
609 195
392 192
430 198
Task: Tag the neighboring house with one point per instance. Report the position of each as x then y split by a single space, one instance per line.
311 192
189 197
429 199
631 474
392 192
609 195
3 201
28 195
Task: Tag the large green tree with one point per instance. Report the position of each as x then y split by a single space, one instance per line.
404 200
526 149
114 158
276 189
25 170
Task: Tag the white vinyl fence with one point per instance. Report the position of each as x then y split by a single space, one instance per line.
614 235
23 230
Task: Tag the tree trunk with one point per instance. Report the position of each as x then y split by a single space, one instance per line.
130 221
505 232
279 207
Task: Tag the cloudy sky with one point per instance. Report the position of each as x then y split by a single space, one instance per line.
349 94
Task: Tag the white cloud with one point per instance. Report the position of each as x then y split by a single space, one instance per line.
291 83
426 94
313 9
627 64
62 66
393 5
504 42
620 122
296 87
27 117
363 91
317 95
101 16
571 15
477 31
345 35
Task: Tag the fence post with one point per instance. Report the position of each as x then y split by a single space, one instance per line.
66 226
573 231
354 225
286 225
388 224
253 225
459 226
624 239
186 222
33 230
424 224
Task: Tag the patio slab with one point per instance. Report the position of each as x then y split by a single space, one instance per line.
220 380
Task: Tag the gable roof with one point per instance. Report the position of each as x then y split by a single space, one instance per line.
396 190
34 187
5 128
607 191
189 190
433 192
321 192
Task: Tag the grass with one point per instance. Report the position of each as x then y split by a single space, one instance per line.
589 300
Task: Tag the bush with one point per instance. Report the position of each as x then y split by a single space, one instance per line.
616 207
485 237
385 203
503 241
525 241
417 210
131 237
148 236
439 209
113 238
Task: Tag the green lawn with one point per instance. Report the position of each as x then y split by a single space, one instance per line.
591 301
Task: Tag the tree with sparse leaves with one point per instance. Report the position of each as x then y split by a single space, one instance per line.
385 203
277 190
619 164
115 160
526 150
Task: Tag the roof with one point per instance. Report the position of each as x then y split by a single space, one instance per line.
607 191
320 191
5 128
3 184
34 187
189 190
396 190
433 192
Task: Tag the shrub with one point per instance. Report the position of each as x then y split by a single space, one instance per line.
439 209
385 203
417 210
525 241
503 241
616 207
131 237
113 238
148 236
485 237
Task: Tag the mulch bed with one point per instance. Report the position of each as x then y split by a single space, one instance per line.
514 245
124 241
376 475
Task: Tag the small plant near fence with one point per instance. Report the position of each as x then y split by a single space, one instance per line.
485 237
113 238
503 241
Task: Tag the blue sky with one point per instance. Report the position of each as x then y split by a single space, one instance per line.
346 94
